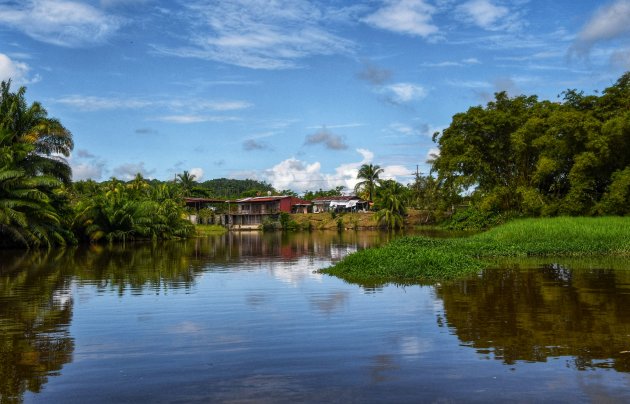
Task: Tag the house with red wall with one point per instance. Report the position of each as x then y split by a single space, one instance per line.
250 213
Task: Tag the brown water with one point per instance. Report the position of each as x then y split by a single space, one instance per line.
246 318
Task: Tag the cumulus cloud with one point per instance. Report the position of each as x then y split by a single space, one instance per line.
483 13
128 171
326 138
197 173
300 175
609 22
410 17
248 33
402 93
16 71
86 165
60 22
295 174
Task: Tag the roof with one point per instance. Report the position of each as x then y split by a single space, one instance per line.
336 198
204 200
261 199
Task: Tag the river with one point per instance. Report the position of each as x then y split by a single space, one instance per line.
246 317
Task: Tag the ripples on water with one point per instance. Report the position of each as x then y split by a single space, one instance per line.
246 317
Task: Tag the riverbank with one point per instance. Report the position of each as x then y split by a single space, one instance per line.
351 221
423 259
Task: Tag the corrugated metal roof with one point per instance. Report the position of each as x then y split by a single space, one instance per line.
336 198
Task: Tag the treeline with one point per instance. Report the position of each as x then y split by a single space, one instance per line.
539 158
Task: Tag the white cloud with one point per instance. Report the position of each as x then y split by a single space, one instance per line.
93 103
97 103
483 13
401 93
197 172
411 17
84 171
248 33
86 165
60 22
609 22
432 154
469 61
18 72
296 174
301 176
186 119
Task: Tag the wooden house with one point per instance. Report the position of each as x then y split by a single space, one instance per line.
250 213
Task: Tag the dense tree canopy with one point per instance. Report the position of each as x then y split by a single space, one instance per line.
540 157
32 173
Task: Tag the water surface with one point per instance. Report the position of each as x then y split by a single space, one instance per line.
246 317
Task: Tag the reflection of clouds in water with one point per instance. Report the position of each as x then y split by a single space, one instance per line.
296 272
331 302
62 298
338 252
413 346
186 327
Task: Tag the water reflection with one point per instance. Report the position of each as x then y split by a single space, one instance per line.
36 301
35 311
549 312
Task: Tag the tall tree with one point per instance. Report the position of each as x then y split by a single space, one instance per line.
187 182
30 124
32 171
369 176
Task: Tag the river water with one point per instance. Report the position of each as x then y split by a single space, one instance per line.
246 317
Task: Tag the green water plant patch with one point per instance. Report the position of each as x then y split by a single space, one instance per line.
423 259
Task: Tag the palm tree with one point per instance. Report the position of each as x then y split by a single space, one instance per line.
369 173
187 180
391 201
27 216
51 141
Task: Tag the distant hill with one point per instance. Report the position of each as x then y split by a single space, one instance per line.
232 188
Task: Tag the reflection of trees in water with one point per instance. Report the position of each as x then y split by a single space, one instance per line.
536 314
36 302
35 311
256 245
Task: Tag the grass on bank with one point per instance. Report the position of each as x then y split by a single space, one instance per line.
422 259
202 230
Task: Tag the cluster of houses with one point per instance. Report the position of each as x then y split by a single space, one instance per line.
251 213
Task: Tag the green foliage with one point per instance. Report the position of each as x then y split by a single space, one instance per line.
422 259
473 218
391 204
615 201
369 176
537 157
286 223
118 212
310 195
232 188
31 177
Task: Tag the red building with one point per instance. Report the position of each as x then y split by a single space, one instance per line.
250 213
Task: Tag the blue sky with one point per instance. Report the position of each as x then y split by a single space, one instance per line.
295 93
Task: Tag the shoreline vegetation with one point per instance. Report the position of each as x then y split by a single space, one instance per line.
418 259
